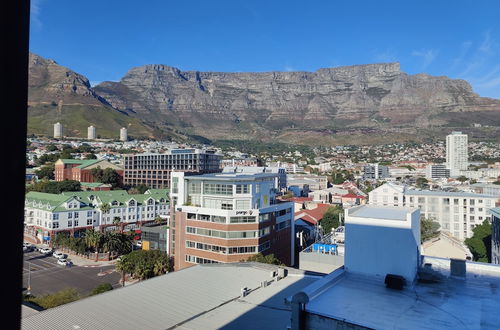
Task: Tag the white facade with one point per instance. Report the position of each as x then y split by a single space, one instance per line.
91 133
457 152
381 240
375 172
436 171
457 213
123 134
58 130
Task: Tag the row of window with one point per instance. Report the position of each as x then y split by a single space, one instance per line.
223 219
198 260
229 234
71 223
221 249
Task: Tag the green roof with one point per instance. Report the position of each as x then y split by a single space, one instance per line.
83 162
89 162
121 196
92 184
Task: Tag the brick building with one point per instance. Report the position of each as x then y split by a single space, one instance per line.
81 170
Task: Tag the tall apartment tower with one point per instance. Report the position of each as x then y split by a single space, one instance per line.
91 133
58 130
123 134
456 153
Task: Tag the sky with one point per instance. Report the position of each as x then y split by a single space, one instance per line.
104 39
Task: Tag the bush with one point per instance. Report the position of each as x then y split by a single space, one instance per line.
269 259
56 299
101 288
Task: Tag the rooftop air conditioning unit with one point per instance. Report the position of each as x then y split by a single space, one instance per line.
396 282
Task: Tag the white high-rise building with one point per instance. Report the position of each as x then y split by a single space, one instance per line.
91 133
456 153
123 134
58 130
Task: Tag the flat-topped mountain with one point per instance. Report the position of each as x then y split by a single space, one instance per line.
326 106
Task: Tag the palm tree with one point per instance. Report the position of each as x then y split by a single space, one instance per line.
158 220
93 239
117 221
112 243
161 266
124 266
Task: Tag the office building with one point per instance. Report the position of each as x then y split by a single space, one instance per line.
155 236
457 153
375 172
154 169
437 171
456 212
228 217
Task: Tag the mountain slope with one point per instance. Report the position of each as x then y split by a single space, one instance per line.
57 94
358 99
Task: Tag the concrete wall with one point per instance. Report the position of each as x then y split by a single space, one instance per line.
320 262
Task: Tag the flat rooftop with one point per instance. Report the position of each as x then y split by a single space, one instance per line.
414 192
381 212
453 303
232 176
199 297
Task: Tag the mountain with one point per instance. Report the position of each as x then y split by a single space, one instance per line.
57 94
327 106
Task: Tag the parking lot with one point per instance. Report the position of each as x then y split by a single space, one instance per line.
45 276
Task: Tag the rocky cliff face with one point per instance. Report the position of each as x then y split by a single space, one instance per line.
361 95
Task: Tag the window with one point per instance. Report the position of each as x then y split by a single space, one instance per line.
242 204
55 225
75 223
218 189
76 215
242 188
55 216
89 222
283 225
131 203
89 213
264 217
70 223
242 219
70 215
227 206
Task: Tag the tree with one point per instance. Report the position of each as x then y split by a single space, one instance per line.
421 182
97 173
142 188
268 259
105 208
110 176
480 243
144 264
46 172
93 239
90 156
428 229
101 288
52 147
462 179
331 219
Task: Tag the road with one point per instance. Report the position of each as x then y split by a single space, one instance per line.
47 277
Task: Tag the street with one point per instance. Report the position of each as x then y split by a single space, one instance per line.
46 276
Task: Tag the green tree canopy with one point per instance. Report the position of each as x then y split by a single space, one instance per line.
268 259
480 243
428 229
46 171
144 264
331 219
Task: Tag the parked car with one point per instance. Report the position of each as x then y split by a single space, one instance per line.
138 243
45 250
62 262
58 255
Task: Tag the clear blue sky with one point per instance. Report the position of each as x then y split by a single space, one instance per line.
104 39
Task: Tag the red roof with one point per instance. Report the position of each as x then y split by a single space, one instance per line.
351 195
314 215
300 199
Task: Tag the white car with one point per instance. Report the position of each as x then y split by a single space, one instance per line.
45 250
138 243
58 255
62 262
